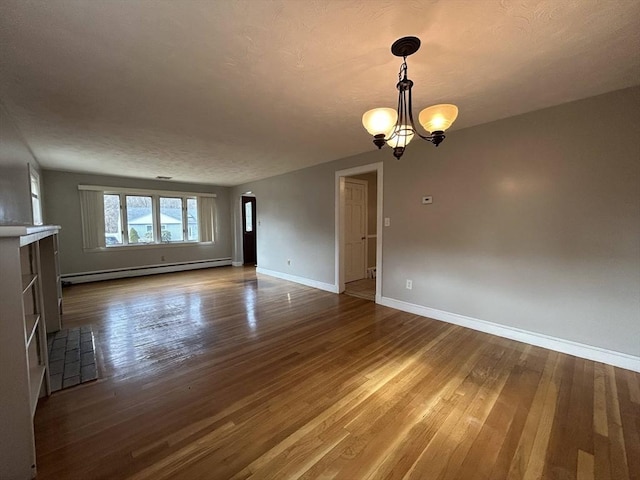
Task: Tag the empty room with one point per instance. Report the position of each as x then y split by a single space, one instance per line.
313 239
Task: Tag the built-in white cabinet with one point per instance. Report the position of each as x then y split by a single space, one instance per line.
51 282
30 305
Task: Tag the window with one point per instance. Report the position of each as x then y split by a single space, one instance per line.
171 220
112 220
248 217
139 219
192 220
36 204
126 217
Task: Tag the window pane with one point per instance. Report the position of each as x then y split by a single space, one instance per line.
112 220
171 219
36 206
35 186
248 217
139 219
37 212
192 220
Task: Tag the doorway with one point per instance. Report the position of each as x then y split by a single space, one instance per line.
249 245
359 231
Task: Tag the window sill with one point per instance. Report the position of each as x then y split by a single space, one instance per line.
144 246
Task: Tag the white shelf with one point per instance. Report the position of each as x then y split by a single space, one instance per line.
26 230
36 381
50 282
36 321
29 277
28 280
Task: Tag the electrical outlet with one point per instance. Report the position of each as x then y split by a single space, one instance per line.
162 258
409 284
289 261
387 222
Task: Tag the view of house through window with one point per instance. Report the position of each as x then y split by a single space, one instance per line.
144 219
139 219
171 219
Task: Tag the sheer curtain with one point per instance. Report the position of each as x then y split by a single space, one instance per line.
92 213
206 218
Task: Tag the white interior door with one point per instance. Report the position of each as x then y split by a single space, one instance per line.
355 229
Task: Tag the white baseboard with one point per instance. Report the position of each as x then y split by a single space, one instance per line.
237 264
304 281
84 277
617 359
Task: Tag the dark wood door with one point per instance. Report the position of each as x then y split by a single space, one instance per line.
249 230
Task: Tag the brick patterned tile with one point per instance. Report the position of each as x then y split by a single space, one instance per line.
61 334
73 343
57 354
88 358
56 367
71 381
72 356
86 347
56 382
71 370
72 359
88 372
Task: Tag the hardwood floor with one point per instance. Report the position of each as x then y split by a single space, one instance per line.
364 288
215 374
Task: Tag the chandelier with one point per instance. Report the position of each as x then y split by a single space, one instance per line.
396 128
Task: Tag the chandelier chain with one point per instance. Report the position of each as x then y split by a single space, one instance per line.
403 70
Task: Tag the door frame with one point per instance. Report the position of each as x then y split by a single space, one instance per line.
339 223
239 228
254 226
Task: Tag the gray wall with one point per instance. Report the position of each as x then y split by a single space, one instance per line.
295 220
15 157
63 208
535 222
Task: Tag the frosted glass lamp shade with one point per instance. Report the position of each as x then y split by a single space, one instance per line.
438 117
379 120
403 135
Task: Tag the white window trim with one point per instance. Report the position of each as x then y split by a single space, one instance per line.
142 191
155 205
34 175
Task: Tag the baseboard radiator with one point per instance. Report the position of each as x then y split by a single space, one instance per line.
84 277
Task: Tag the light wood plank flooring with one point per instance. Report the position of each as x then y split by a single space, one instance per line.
215 374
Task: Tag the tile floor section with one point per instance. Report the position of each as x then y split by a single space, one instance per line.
72 357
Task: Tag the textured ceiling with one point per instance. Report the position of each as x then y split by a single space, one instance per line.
229 91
